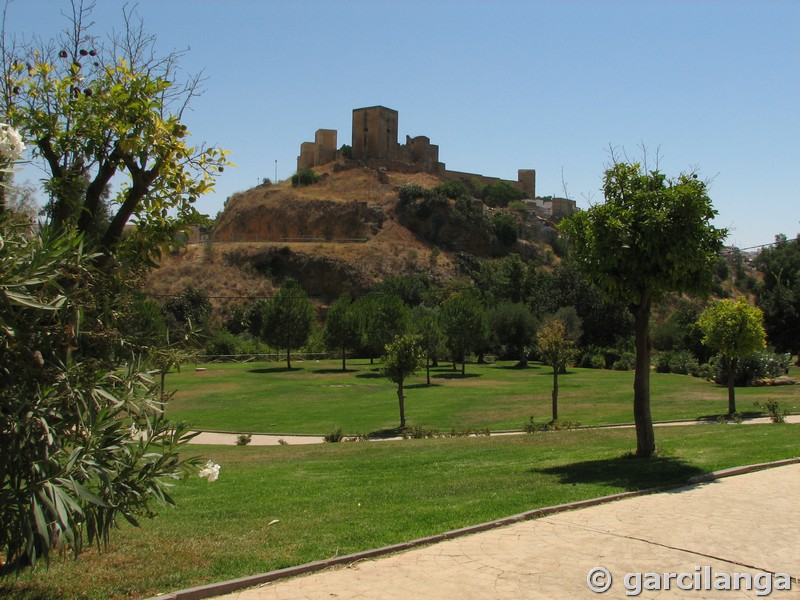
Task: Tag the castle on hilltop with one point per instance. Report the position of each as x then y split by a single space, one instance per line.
375 145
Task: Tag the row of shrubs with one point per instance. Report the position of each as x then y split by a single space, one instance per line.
760 365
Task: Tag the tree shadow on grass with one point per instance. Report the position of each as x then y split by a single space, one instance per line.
519 367
372 375
334 371
625 472
458 375
749 414
380 434
275 370
416 386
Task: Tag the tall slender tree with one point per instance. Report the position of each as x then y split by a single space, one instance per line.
652 235
341 328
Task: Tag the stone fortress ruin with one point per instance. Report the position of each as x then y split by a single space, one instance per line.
374 145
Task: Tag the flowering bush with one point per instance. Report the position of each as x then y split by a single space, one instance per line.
11 144
211 471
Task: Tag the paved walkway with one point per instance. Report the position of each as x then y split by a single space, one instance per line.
259 439
742 524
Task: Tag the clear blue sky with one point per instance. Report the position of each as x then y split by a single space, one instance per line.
500 85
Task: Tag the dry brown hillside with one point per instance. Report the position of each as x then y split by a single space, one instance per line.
338 235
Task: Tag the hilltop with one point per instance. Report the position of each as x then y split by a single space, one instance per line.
347 232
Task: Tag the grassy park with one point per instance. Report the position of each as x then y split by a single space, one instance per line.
274 507
334 499
316 397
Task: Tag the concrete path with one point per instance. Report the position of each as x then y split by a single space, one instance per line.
742 524
259 439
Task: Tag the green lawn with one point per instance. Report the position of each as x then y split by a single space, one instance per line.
316 397
334 499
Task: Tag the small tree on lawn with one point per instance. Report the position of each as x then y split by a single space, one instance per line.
735 330
652 235
341 328
404 357
432 338
557 349
288 319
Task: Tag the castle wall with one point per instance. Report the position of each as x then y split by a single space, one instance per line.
526 181
374 143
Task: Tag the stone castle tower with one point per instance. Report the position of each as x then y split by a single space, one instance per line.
374 144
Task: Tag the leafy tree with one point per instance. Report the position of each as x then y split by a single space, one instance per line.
255 317
288 319
464 323
604 321
403 358
410 289
501 193
83 440
513 326
381 318
505 227
734 330
341 328
557 349
512 279
779 294
97 111
432 339
188 311
651 236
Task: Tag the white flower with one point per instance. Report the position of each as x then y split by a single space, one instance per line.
11 145
211 471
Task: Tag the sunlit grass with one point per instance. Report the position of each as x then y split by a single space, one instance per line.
334 499
315 397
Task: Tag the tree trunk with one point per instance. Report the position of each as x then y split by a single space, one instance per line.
428 369
645 437
344 363
463 365
402 400
289 358
731 390
555 394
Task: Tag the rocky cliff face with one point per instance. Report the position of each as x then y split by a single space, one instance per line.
322 277
283 216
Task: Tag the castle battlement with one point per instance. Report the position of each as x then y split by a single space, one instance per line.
374 143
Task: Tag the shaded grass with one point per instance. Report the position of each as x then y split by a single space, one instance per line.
314 398
335 499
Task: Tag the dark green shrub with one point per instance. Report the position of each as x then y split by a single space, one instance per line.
682 362
223 343
334 436
410 192
453 189
759 365
501 193
505 228
624 362
305 177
